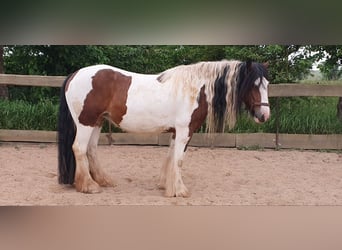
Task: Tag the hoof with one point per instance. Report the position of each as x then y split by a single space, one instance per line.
106 182
88 187
103 179
181 192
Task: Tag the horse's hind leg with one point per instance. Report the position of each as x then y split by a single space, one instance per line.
83 180
96 171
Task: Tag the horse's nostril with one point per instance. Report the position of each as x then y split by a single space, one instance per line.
262 118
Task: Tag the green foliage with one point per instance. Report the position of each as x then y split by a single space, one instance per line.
63 60
310 115
51 60
47 60
282 69
330 68
330 71
36 107
315 115
297 115
26 116
34 95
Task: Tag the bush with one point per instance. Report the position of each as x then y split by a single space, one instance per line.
297 115
26 116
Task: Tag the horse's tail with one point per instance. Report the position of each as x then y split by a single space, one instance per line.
65 137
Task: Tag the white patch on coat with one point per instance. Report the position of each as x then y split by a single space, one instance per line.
264 110
153 106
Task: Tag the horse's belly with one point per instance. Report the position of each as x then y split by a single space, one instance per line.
148 114
156 107
144 124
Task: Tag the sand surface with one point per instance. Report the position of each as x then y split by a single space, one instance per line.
220 176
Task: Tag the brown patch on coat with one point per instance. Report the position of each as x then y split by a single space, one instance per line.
69 80
253 98
200 113
107 98
198 116
173 131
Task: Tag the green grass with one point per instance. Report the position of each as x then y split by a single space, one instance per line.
310 115
297 115
25 116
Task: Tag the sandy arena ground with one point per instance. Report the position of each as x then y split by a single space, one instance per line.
220 176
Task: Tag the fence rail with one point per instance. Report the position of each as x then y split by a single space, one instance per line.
266 140
32 80
228 140
275 90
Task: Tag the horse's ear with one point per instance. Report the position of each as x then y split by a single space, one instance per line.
266 64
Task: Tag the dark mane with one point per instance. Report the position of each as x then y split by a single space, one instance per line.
227 84
249 73
219 100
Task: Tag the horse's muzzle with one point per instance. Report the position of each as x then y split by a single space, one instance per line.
261 113
258 117
262 118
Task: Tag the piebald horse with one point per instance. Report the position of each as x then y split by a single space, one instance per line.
178 100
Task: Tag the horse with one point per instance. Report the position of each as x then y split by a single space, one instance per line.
178 100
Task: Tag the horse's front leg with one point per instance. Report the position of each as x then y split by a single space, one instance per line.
174 184
166 165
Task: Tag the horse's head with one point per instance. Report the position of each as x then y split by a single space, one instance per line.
253 90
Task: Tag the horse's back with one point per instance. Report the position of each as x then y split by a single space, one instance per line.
135 102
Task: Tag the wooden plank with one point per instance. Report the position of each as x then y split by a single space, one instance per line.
164 139
105 139
130 139
303 141
203 140
284 90
27 136
212 140
32 80
224 140
264 140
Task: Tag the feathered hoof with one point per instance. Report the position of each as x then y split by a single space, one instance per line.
88 187
106 182
178 192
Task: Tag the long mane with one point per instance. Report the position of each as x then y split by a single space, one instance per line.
221 96
226 83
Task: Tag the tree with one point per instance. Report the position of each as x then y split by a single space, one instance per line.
148 59
330 68
287 63
48 60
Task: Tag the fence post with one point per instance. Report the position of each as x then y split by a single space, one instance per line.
277 121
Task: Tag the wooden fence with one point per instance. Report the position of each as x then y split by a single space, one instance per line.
263 140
